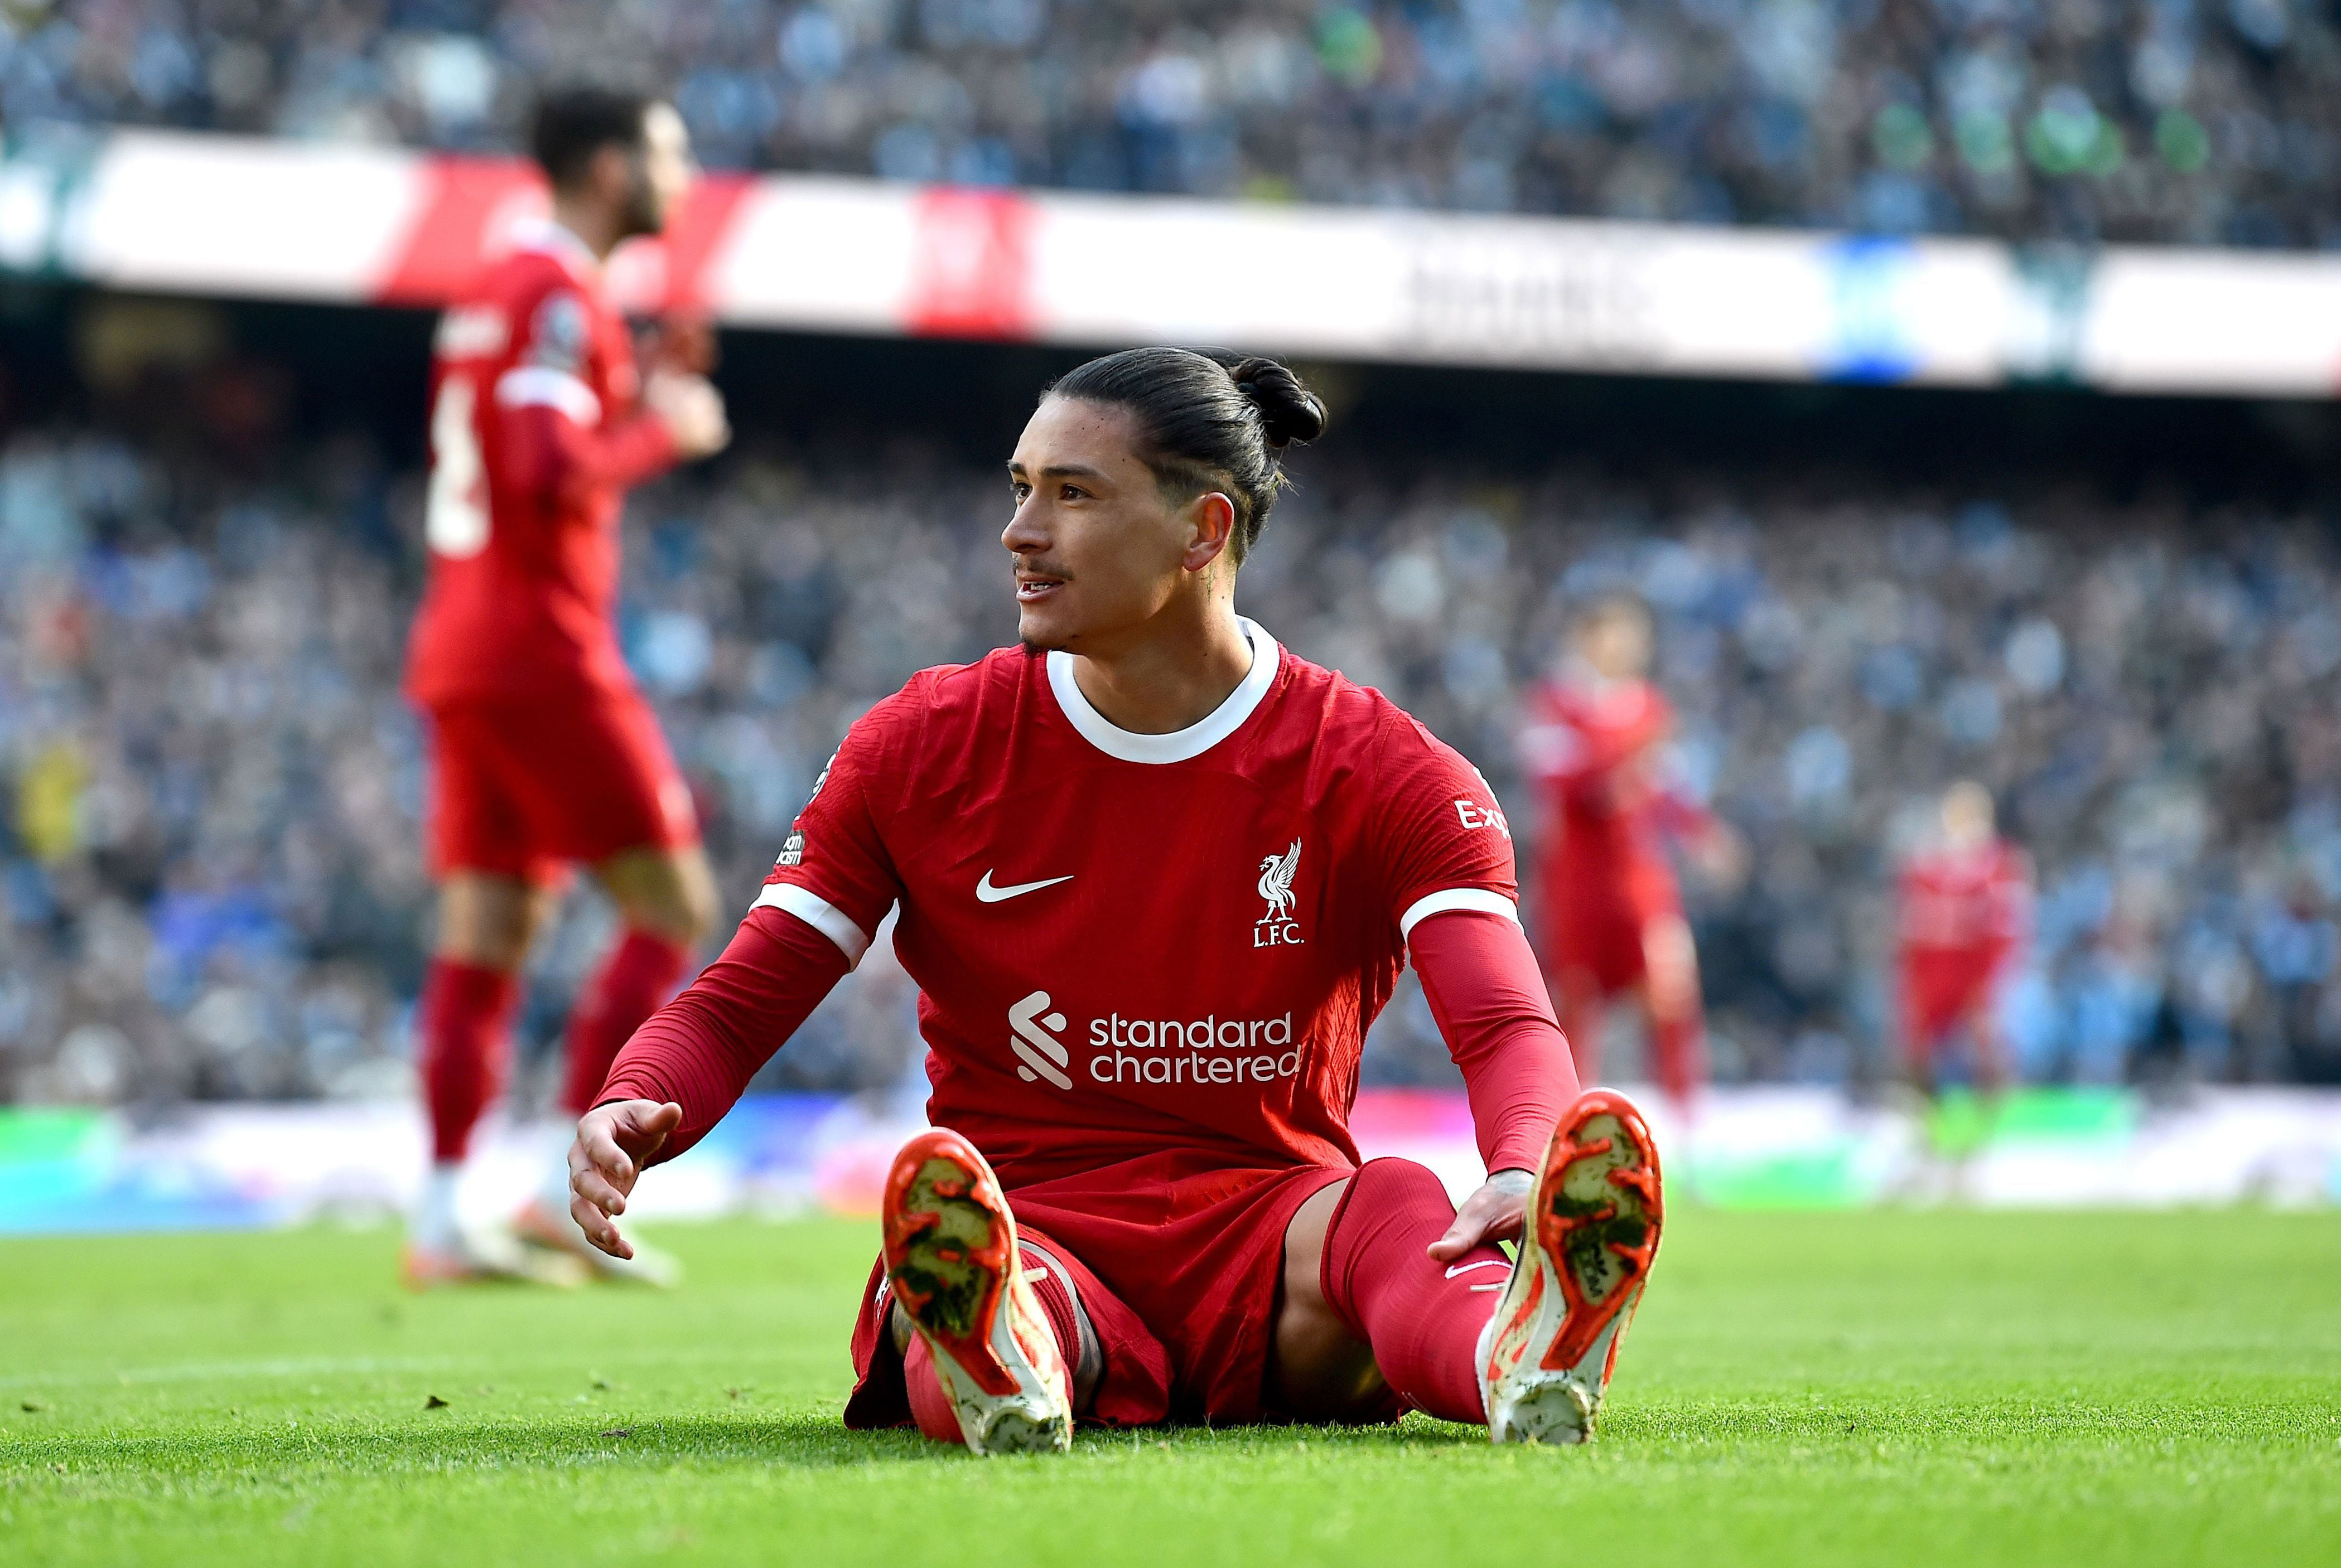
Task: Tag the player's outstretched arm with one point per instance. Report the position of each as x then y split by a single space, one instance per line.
613 1143
546 451
690 1063
1484 988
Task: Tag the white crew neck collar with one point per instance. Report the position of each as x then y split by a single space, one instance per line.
1177 745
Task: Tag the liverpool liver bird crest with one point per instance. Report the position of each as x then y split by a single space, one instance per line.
1276 881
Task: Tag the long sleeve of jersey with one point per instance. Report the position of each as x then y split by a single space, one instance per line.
1488 997
701 1049
544 451
1674 812
1447 858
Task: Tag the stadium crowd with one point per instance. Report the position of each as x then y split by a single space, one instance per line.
2191 120
210 881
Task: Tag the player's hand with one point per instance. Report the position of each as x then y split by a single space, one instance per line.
683 343
692 409
606 1160
1494 1212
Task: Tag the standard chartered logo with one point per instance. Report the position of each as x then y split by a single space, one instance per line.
1041 1054
1197 1051
1208 1050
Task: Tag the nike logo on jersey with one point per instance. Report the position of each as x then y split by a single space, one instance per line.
1456 1268
989 893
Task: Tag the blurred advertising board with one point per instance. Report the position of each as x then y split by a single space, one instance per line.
236 1167
184 213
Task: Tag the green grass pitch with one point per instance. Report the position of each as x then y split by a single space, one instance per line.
1885 1387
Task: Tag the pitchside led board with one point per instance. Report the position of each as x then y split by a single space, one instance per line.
145 209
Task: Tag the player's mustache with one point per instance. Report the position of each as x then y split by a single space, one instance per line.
1025 570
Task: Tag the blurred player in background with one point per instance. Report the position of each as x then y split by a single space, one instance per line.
1611 917
1156 877
544 753
1966 913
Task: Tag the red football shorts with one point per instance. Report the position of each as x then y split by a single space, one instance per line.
1176 1260
1603 944
518 788
1942 988
1594 919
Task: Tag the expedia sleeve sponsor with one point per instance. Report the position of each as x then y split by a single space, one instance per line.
834 850
1438 824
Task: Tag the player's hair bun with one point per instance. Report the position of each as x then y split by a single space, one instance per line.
1206 420
1288 412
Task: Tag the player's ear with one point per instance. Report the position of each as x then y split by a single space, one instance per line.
1211 519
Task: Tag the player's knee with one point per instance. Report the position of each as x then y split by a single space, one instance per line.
699 906
1667 948
1402 1186
496 950
672 895
689 915
1392 1208
487 921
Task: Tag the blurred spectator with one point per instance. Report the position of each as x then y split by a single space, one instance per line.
2187 121
210 789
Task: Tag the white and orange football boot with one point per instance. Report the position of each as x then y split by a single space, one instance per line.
951 1258
540 1225
1592 1228
484 1258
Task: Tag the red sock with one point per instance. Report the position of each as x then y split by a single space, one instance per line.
640 974
1681 1045
1581 1016
1422 1317
463 1016
931 1407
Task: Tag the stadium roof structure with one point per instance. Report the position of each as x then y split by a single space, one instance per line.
199 214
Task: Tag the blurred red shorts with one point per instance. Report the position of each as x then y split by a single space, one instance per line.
1943 989
1603 943
519 788
1599 932
1593 914
1176 1260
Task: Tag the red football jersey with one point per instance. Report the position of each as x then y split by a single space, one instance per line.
523 524
1976 901
1592 749
1128 942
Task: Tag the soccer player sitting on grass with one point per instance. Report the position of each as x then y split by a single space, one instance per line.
1156 877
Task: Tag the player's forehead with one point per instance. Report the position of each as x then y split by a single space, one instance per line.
1069 435
1615 619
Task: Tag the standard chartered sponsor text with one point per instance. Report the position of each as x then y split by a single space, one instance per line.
1207 1050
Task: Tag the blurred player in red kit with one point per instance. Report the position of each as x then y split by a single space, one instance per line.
544 754
1609 915
1966 914
1156 877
